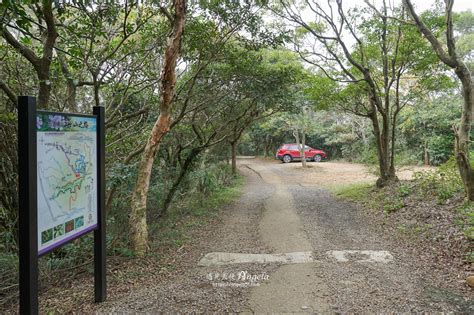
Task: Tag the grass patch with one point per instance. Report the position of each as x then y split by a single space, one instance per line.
196 211
384 199
353 192
205 205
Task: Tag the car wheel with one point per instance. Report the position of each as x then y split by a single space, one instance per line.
287 159
317 158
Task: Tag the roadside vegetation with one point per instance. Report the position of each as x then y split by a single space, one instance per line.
430 212
195 208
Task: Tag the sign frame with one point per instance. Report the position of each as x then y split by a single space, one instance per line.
71 238
28 206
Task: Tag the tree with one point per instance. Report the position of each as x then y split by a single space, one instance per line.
300 123
47 32
449 56
229 18
269 79
369 75
426 128
138 225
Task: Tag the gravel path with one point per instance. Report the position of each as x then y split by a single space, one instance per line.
285 209
402 285
399 286
188 287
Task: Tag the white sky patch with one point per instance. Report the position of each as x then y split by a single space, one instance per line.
420 5
311 48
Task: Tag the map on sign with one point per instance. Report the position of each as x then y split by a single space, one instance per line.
67 177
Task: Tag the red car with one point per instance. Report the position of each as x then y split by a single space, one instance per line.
290 152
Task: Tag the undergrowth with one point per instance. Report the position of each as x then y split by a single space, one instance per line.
207 190
172 230
442 183
428 192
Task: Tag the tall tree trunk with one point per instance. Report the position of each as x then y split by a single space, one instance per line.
302 148
40 64
269 147
266 145
44 87
296 134
71 91
426 155
234 156
381 151
137 220
463 133
392 142
385 146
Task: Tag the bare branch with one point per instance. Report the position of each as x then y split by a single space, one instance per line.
8 92
437 46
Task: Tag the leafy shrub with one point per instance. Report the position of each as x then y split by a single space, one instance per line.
393 205
368 156
443 182
467 221
405 157
404 190
440 148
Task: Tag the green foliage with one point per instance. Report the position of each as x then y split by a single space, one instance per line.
393 205
405 157
429 125
8 184
210 178
380 199
196 208
443 182
368 156
467 220
464 27
404 190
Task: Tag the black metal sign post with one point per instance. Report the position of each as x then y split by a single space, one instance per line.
100 280
28 205
28 216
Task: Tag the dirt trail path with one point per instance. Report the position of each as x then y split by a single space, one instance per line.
288 246
293 287
355 269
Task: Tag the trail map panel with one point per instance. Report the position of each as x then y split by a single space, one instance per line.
67 177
